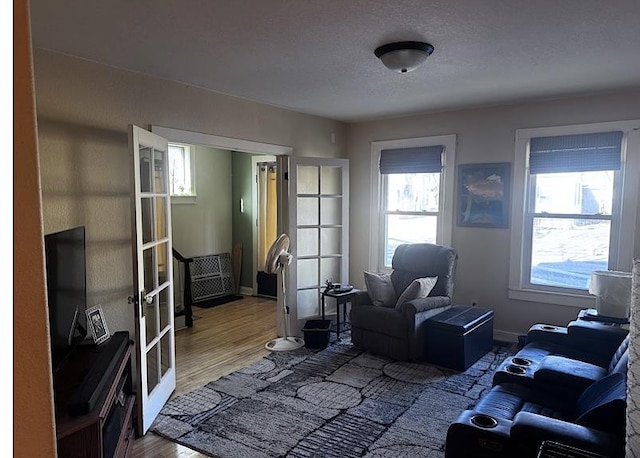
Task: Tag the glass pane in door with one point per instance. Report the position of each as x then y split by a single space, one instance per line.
149 270
307 273
146 205
161 262
151 320
330 270
308 179
331 210
165 361
308 211
161 220
308 242
331 180
152 368
145 169
308 303
330 241
163 305
160 185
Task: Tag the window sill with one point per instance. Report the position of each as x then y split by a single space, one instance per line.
183 200
546 297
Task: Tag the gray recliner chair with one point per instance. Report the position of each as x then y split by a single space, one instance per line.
399 332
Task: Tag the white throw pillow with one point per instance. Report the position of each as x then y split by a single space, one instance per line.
380 289
420 287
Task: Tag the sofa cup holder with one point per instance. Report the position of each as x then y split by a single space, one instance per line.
516 370
484 421
521 361
548 327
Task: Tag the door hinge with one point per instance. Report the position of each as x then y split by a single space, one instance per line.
286 176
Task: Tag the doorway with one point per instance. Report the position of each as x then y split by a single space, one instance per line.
238 210
266 205
313 195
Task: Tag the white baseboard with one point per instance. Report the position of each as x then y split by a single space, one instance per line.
179 322
246 291
505 336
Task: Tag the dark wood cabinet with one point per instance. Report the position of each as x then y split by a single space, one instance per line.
107 430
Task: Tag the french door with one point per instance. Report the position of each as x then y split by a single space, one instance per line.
153 274
316 216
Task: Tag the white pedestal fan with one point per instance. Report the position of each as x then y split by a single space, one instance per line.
278 259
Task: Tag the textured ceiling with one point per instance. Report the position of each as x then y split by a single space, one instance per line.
316 56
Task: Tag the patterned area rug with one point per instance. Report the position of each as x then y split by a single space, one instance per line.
336 402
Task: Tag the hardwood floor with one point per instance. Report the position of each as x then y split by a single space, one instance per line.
224 339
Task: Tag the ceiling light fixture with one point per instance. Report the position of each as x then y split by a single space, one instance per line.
404 56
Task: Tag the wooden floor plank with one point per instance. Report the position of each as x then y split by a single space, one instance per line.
222 340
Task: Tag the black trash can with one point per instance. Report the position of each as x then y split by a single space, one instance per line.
316 333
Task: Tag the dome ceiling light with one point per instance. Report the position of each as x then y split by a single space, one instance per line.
404 56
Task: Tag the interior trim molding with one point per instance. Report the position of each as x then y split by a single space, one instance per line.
216 141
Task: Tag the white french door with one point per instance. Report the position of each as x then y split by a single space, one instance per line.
316 211
153 274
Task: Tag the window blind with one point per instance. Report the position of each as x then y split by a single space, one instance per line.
426 159
575 153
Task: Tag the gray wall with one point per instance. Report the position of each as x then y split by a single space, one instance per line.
205 227
243 223
84 108
83 111
483 135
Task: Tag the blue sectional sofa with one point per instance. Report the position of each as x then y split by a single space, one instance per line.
567 385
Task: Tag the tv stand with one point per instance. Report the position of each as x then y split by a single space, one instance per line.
94 415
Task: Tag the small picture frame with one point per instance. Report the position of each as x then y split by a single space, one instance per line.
97 324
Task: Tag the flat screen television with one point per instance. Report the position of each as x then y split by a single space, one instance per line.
66 290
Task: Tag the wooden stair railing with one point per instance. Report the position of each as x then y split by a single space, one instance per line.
186 298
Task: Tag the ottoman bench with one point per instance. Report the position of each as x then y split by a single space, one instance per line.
458 337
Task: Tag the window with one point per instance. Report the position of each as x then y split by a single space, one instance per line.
181 170
569 219
410 179
411 190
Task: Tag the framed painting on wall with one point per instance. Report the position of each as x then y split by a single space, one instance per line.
483 194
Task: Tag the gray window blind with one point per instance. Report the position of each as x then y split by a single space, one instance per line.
426 159
575 153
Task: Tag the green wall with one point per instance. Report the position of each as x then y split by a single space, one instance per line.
243 221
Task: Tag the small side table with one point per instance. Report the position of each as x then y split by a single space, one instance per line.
341 299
